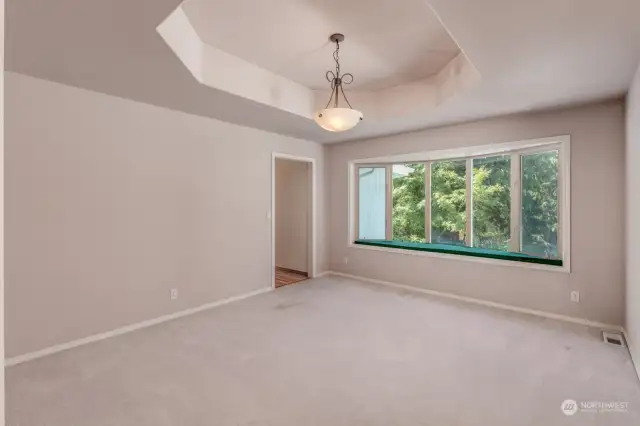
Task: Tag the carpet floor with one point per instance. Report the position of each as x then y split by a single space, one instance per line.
332 351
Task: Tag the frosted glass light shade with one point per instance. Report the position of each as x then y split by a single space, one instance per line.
338 119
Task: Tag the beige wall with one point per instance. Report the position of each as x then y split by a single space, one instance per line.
2 209
597 177
632 322
293 196
110 203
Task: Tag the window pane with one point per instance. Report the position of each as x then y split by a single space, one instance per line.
448 202
540 204
491 202
372 203
408 202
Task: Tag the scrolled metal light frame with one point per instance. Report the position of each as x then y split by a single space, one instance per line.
335 78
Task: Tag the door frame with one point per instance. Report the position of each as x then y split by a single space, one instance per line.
311 231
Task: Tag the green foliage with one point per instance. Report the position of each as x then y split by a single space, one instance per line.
448 202
491 203
540 204
408 205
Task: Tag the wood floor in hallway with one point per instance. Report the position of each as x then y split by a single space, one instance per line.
287 276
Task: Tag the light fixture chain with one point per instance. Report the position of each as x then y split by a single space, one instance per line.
336 56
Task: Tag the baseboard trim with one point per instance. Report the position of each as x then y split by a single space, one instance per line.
635 358
19 359
487 303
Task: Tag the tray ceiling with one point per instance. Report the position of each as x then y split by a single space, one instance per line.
387 44
530 55
402 58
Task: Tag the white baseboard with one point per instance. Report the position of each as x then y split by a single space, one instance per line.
127 329
635 358
503 306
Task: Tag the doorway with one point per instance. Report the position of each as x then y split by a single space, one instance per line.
293 188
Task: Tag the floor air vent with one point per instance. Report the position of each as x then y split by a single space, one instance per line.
613 338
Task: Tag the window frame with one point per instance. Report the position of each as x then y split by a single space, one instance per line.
516 150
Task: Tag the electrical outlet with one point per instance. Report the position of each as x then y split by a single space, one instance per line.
346 260
575 296
174 293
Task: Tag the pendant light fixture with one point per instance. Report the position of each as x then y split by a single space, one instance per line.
336 118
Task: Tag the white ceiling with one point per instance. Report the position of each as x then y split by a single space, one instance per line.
388 43
531 55
214 66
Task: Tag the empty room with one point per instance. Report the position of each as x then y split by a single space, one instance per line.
320 212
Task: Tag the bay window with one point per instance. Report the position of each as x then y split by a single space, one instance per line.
503 202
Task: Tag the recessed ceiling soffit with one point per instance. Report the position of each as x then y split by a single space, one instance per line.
277 53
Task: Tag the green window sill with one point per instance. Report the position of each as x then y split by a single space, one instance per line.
461 251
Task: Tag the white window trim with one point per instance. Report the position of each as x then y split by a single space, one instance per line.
562 143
